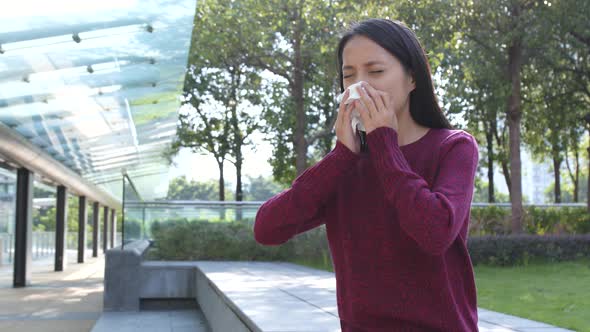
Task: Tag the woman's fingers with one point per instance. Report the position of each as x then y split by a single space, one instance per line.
363 112
343 107
341 111
367 100
377 97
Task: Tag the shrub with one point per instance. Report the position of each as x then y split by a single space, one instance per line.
495 220
182 239
132 229
521 249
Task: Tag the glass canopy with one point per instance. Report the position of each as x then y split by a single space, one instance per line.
96 84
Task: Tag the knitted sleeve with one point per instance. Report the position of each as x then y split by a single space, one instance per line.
303 206
432 216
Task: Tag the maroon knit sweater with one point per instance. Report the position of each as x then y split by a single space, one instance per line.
396 219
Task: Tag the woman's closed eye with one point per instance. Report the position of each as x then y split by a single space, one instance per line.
370 72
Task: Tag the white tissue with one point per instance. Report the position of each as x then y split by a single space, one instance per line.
354 94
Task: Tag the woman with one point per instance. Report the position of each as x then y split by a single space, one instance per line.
397 214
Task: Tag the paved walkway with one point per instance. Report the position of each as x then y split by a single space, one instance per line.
265 291
55 301
152 321
72 301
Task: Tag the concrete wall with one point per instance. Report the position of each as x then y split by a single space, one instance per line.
220 316
129 278
167 280
122 277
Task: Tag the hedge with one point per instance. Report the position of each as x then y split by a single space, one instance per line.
526 248
201 240
182 239
495 220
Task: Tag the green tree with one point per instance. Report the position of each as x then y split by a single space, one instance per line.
203 129
474 92
508 33
481 193
568 58
296 42
181 188
220 90
261 188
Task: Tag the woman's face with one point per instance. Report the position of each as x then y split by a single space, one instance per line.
365 60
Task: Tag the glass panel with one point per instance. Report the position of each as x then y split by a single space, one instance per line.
141 216
7 218
89 239
44 202
96 83
133 218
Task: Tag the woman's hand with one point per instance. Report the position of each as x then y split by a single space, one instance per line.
344 131
376 109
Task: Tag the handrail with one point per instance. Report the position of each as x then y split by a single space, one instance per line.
199 203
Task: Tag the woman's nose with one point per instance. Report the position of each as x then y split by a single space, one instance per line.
362 78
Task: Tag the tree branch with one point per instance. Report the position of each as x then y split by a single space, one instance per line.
322 133
256 61
582 39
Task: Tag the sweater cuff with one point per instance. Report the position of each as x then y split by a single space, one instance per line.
385 152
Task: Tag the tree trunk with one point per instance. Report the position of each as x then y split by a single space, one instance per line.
490 143
238 138
574 175
506 171
221 182
577 179
300 116
557 175
500 142
221 190
588 197
239 193
514 117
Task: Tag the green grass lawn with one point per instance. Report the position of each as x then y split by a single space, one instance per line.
556 293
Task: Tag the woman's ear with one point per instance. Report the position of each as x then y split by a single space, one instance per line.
411 81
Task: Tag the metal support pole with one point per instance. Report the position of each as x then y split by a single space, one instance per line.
82 220
61 228
95 215
105 233
113 228
23 234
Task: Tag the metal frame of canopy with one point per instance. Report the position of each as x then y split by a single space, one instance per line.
95 90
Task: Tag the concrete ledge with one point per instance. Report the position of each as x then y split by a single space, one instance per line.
122 276
272 296
167 280
221 314
250 296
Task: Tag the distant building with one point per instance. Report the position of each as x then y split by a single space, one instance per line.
536 177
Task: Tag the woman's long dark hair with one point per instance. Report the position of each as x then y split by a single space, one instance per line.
402 43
